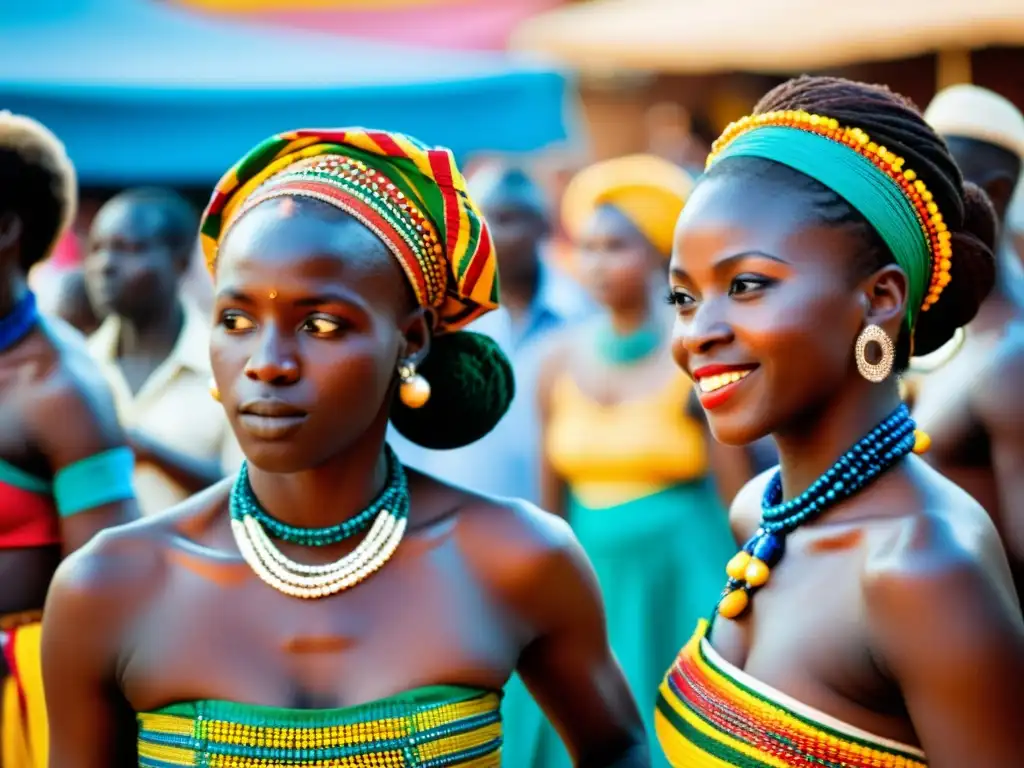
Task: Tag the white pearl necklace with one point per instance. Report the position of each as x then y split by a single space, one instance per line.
309 582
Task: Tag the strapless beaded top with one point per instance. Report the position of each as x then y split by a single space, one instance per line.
712 715
430 727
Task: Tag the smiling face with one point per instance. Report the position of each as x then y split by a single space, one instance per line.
312 316
768 303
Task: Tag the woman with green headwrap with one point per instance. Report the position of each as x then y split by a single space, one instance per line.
328 607
626 456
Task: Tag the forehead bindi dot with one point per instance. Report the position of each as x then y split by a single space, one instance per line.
272 295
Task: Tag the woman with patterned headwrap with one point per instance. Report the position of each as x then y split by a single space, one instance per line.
626 460
328 607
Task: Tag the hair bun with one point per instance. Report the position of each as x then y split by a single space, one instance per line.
471 388
972 274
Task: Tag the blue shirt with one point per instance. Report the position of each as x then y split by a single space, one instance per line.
506 462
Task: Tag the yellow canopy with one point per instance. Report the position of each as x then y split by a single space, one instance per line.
778 36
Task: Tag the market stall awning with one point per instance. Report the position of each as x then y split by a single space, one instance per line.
783 36
145 93
451 24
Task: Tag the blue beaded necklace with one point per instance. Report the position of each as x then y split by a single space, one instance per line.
394 497
876 452
16 325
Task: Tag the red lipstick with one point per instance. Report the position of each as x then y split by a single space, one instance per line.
717 383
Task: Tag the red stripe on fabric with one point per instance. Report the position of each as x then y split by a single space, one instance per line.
348 200
30 519
387 143
702 696
441 165
328 137
476 265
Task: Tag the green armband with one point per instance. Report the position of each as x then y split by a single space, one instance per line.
99 479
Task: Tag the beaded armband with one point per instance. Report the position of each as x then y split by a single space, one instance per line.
892 165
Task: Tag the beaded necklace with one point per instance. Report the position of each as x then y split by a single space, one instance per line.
873 454
386 518
244 502
618 349
16 325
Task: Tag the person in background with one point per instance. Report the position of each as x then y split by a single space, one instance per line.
65 466
971 406
869 620
153 347
72 304
327 607
536 301
626 456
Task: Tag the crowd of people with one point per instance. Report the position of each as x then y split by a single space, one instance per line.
355 501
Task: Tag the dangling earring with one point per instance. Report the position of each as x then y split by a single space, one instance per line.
414 390
875 372
214 390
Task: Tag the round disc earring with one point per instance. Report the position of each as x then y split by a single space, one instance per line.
878 371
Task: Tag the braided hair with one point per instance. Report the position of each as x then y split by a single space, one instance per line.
893 121
37 184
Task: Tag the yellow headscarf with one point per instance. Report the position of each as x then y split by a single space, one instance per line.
646 189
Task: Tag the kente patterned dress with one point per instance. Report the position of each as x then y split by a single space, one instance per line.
712 715
431 727
654 528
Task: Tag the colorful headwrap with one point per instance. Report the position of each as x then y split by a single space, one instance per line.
870 178
647 190
412 196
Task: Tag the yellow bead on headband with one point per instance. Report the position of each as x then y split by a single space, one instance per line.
936 235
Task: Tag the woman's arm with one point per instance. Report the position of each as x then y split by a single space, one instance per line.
569 667
75 425
552 486
90 724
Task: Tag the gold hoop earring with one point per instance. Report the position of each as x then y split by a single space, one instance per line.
875 372
214 390
414 390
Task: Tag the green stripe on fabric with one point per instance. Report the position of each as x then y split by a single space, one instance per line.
861 183
282 717
705 743
473 241
19 478
850 739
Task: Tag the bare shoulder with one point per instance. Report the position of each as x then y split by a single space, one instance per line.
122 567
515 548
745 511
945 560
72 403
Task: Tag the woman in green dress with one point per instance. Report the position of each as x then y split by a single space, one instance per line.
627 459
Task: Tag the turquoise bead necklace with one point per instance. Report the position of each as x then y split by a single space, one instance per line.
394 497
876 452
619 349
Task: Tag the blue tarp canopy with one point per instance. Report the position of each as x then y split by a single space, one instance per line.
141 92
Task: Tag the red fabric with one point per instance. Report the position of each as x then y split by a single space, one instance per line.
67 253
483 25
27 519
